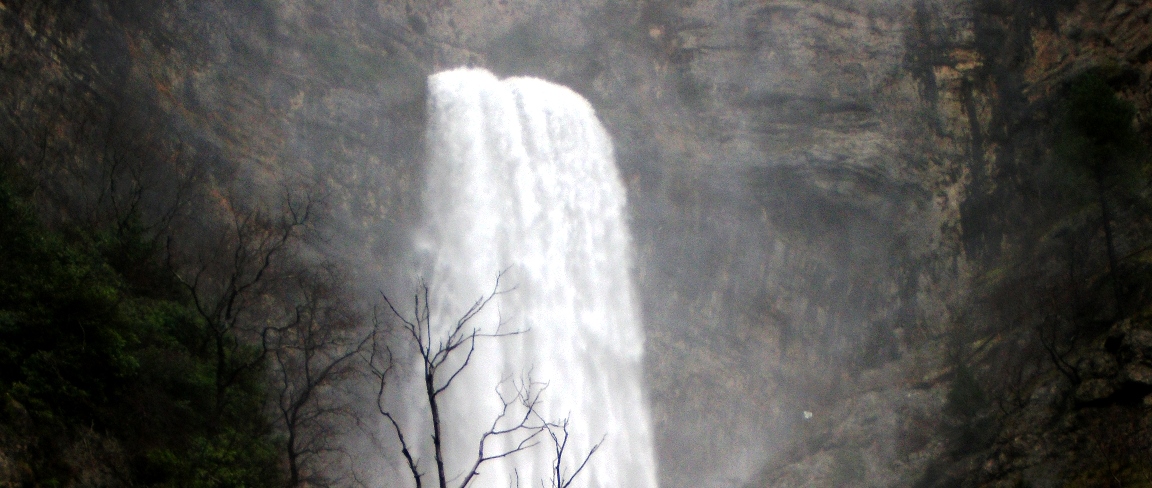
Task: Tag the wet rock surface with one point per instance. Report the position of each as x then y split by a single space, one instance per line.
1063 438
816 188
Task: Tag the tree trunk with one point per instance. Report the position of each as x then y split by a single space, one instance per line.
430 387
1110 243
293 464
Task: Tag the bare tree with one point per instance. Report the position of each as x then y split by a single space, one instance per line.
558 432
231 284
443 358
147 175
312 358
265 309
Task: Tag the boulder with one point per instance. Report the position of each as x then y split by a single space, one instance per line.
1097 364
1139 343
1094 389
1138 373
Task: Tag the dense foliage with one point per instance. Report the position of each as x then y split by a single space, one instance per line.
1049 347
103 367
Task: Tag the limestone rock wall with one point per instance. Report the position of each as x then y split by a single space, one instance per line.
814 185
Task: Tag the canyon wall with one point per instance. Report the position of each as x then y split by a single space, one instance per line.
816 188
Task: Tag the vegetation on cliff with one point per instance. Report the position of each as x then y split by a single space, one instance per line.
1064 309
158 323
104 374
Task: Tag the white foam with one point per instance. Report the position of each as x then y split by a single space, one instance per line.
522 177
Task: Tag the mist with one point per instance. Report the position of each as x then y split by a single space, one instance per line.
842 215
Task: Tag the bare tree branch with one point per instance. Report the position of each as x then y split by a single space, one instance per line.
443 359
382 373
560 479
312 354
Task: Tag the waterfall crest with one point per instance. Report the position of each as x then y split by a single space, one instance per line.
522 178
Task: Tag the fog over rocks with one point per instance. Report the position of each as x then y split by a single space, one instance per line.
817 190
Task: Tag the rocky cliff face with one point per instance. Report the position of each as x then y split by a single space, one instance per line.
815 186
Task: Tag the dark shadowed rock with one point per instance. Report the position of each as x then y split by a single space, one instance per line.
1098 364
1138 373
1094 390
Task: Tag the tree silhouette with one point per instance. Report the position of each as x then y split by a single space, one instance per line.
443 357
1099 139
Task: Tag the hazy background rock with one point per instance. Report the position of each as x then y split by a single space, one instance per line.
815 187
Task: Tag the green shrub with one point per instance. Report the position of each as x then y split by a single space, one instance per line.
85 355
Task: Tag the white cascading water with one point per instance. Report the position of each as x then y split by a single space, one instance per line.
522 178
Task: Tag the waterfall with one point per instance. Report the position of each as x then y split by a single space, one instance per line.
522 179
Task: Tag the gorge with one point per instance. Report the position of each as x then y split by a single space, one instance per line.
860 252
